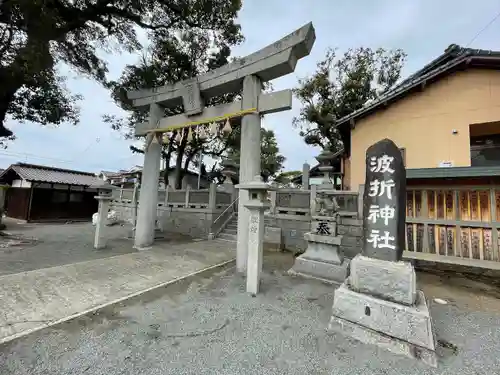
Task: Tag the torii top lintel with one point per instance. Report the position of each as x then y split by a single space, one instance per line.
273 61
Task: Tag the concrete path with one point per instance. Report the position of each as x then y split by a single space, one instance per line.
208 325
36 299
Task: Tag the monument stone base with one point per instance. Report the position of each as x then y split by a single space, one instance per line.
397 327
372 337
322 259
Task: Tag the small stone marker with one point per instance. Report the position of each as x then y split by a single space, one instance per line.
384 208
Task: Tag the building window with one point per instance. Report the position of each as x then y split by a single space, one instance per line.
76 197
59 196
485 150
403 155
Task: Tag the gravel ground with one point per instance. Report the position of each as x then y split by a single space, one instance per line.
209 325
59 244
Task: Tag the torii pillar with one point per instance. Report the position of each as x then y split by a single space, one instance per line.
148 197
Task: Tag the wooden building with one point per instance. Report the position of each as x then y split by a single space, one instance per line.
444 115
41 193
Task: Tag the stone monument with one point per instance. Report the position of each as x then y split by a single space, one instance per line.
323 258
248 73
378 303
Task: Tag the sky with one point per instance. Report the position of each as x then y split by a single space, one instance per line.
422 28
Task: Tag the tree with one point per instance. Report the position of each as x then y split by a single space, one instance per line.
284 179
341 86
38 35
271 161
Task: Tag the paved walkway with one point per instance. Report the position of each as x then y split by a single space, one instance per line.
59 244
209 325
34 299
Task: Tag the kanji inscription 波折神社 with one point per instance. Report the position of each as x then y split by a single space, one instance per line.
385 178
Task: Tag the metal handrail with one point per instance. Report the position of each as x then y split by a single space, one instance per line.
227 208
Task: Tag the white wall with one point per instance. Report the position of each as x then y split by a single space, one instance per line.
21 184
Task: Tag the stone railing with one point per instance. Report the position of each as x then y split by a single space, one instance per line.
302 202
207 200
291 201
188 198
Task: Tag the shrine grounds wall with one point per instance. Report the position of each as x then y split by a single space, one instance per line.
195 223
284 231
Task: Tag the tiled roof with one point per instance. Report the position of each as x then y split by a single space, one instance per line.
41 173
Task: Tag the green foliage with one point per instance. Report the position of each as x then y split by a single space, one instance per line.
284 179
37 35
341 86
271 161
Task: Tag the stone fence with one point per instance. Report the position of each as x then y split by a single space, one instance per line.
187 211
194 212
188 198
440 227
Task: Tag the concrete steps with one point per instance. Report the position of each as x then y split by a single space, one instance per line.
230 232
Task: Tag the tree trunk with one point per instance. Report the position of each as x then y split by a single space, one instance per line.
186 163
178 162
168 156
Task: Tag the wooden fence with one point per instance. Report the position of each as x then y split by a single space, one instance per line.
460 222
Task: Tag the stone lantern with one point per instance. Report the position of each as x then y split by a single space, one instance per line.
257 203
325 159
230 170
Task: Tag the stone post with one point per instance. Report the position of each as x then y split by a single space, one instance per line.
102 217
314 191
305 176
249 163
273 197
148 198
134 205
167 189
186 202
361 193
256 205
212 197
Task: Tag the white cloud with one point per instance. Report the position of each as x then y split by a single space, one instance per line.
422 28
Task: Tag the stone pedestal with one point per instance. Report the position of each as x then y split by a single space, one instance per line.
379 304
323 259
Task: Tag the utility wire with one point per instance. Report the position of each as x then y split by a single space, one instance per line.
483 29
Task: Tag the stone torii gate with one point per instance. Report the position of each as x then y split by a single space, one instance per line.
273 61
